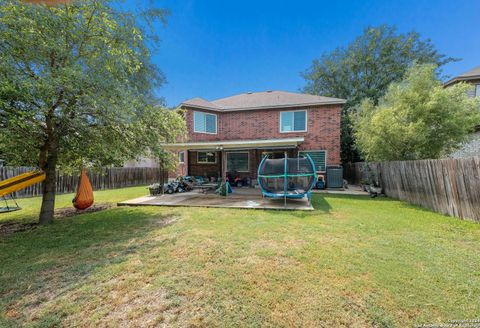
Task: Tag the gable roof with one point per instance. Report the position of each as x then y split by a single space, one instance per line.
261 100
200 103
472 74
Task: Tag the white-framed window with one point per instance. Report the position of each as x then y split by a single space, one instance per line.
181 157
206 157
477 90
238 161
319 158
204 123
293 121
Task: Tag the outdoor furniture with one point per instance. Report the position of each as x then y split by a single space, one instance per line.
199 180
155 189
206 187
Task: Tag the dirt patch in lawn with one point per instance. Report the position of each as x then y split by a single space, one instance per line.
9 228
146 307
71 211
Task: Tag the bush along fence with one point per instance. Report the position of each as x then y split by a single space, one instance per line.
447 186
105 178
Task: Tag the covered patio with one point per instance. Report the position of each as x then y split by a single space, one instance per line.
248 198
228 158
236 161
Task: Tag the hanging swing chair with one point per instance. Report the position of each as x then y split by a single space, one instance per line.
287 177
84 197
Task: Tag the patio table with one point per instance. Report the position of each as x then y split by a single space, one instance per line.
206 187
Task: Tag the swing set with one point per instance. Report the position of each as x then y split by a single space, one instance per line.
9 186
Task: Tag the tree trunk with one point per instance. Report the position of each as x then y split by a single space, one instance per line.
48 190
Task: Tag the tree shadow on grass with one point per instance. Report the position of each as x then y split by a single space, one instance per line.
52 260
319 203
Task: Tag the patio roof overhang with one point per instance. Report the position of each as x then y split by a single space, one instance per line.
237 144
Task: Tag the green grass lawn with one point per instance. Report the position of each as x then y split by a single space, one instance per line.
353 262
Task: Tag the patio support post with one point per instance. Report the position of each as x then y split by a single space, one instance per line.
224 171
224 175
285 180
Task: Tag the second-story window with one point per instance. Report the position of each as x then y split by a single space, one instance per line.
477 90
293 121
204 123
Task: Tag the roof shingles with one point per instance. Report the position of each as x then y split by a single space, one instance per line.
472 74
259 100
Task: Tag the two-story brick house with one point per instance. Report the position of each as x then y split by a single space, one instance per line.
231 135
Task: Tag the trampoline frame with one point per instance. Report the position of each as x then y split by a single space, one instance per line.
285 193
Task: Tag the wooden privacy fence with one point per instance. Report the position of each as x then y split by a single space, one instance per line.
105 178
448 186
354 172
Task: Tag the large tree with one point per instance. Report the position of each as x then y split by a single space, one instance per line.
365 69
76 85
417 118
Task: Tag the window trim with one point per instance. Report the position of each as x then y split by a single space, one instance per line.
200 162
317 150
293 123
179 156
205 113
239 152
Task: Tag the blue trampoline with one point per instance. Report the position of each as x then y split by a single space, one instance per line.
287 177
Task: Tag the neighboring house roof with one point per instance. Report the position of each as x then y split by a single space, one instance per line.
261 100
472 74
236 144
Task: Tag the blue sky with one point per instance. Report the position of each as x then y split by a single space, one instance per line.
213 49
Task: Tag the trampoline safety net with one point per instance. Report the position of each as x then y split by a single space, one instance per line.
299 174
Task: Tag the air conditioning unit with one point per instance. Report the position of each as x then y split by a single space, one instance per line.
334 177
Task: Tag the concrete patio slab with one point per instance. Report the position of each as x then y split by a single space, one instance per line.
248 198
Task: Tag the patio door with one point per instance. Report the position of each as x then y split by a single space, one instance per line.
238 162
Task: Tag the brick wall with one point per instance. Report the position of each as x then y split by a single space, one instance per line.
323 128
181 168
202 169
255 157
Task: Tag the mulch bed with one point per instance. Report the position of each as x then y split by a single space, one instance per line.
9 228
71 211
